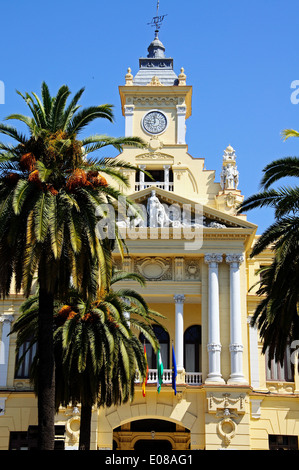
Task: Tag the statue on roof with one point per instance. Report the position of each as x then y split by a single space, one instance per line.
229 176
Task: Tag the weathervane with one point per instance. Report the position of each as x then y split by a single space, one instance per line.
158 19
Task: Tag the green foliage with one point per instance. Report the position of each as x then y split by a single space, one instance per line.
277 314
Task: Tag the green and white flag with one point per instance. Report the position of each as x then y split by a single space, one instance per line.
160 370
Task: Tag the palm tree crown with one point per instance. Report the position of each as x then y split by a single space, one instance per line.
50 195
277 314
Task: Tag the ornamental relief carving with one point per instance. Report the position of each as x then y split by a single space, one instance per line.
155 156
155 268
228 409
154 101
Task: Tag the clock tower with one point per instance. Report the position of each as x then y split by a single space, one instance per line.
157 101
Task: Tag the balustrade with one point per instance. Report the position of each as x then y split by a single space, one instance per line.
162 185
191 378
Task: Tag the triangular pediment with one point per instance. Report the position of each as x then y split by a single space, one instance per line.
212 218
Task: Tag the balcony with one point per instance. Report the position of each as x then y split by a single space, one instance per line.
144 185
160 178
191 378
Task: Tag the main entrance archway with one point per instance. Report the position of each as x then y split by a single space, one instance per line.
151 435
156 446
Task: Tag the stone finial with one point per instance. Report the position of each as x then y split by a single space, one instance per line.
229 155
129 77
182 78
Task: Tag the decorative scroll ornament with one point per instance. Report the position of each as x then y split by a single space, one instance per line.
73 426
154 268
229 409
155 82
234 258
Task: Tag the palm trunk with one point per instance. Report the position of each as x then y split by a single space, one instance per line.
85 427
46 371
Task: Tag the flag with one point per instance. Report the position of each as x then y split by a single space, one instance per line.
174 371
160 370
145 378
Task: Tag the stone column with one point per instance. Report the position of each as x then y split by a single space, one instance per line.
236 346
166 177
179 330
214 345
6 320
141 177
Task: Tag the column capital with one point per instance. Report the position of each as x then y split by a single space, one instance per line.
129 109
234 258
179 298
213 258
6 318
214 347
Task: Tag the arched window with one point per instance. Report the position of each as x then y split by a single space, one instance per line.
163 338
192 349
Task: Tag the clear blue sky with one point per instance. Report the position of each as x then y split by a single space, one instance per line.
240 57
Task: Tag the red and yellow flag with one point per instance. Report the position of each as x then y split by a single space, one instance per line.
145 378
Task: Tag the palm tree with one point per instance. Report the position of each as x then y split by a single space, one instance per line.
50 190
97 353
277 314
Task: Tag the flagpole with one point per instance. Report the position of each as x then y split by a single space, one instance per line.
160 370
174 370
146 373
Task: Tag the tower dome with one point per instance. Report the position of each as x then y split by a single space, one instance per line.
156 49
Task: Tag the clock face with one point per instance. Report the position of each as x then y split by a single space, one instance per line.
154 122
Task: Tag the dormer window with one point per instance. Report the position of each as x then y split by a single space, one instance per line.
162 177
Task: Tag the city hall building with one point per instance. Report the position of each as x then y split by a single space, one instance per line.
194 252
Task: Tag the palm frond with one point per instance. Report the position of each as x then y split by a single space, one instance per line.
71 109
13 132
280 168
57 109
287 133
87 115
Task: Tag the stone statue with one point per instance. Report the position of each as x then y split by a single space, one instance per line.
229 177
156 212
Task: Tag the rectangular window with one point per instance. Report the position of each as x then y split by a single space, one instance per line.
27 440
18 440
280 372
277 442
23 371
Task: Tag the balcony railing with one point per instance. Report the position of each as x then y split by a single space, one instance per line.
157 184
191 378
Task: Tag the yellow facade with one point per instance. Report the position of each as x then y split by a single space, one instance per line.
197 275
